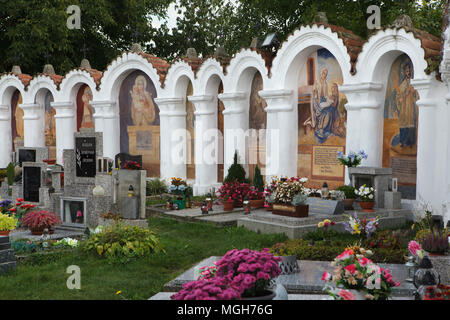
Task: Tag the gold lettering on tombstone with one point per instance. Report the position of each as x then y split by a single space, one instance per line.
325 164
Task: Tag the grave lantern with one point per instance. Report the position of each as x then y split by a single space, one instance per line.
131 191
204 208
86 233
188 201
424 277
411 268
209 202
325 191
247 207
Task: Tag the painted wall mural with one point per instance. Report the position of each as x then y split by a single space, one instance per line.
321 120
400 126
17 121
220 126
50 125
258 122
139 121
85 112
190 127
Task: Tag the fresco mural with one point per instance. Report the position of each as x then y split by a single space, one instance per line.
50 125
17 123
257 121
139 121
190 127
400 126
85 112
321 120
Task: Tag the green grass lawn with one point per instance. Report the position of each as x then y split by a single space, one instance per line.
185 245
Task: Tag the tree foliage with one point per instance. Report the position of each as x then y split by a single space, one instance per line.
29 28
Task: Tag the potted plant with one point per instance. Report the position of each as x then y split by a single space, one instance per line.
7 223
37 221
366 196
132 165
358 277
350 196
435 243
290 199
256 198
269 194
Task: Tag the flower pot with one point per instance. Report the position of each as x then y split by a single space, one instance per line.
348 204
269 207
290 210
181 204
266 295
228 205
5 233
367 206
39 231
257 204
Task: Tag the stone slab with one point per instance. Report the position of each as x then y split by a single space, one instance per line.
4 239
307 281
322 206
5 246
392 200
130 208
7 256
370 171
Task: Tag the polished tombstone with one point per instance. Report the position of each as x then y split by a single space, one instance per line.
328 207
85 152
25 154
32 181
378 178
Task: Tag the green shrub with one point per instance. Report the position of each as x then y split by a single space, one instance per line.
258 181
348 190
119 243
156 186
236 171
10 173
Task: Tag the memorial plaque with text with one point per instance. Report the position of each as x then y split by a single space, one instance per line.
27 155
325 164
85 154
31 183
322 206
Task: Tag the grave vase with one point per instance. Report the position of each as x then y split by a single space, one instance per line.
367 206
290 210
5 233
257 204
228 205
266 295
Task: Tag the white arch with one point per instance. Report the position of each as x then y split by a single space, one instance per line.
241 70
381 50
36 84
74 79
119 69
8 84
177 80
300 45
204 84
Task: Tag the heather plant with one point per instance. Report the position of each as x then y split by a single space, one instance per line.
217 288
435 242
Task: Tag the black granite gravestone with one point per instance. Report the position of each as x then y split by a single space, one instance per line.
322 206
27 155
85 156
31 183
121 158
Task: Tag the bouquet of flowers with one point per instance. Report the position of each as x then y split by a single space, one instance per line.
366 194
352 159
17 209
356 272
235 190
177 186
287 188
323 226
67 242
440 292
415 249
254 194
363 227
132 165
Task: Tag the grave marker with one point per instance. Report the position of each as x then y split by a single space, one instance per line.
31 183
85 153
329 207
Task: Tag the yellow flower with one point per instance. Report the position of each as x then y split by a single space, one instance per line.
321 224
118 292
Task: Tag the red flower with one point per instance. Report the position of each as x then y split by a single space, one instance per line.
351 268
20 200
12 210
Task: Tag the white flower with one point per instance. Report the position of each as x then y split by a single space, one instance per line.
303 180
370 196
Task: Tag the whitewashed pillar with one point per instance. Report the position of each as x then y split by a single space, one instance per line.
206 143
33 125
5 134
426 142
173 137
107 121
364 121
282 133
236 123
66 126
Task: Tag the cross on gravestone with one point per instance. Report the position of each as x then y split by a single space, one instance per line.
84 50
